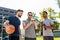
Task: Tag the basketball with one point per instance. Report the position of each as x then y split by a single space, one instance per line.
10 29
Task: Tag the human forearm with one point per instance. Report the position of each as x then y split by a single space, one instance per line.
48 27
26 26
6 23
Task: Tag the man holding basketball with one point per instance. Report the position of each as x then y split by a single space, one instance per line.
47 26
14 20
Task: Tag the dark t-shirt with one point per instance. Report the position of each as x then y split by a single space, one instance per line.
16 22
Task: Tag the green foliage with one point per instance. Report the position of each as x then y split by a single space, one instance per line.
52 16
35 17
58 14
51 12
58 0
37 21
38 28
56 25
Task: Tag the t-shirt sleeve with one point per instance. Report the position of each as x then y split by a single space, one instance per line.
51 22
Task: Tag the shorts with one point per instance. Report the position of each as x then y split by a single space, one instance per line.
30 38
13 37
48 38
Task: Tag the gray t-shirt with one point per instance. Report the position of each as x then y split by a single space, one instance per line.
47 32
30 31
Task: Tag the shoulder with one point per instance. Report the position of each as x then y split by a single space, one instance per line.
10 17
50 20
25 21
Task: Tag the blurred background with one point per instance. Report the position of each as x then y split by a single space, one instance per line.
9 7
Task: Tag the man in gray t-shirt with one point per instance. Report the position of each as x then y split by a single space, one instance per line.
30 25
47 26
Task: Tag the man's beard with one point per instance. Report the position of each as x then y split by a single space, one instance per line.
19 16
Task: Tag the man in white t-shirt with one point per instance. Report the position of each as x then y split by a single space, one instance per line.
47 26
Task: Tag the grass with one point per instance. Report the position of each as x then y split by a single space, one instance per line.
41 38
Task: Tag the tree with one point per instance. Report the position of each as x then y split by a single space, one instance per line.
58 15
58 3
37 20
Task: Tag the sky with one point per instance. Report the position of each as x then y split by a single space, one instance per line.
29 5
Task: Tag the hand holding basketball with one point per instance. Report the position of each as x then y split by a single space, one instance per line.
10 29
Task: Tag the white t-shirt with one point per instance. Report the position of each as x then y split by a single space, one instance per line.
47 32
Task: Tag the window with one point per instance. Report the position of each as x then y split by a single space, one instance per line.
6 10
0 17
6 17
1 9
0 29
0 13
5 14
0 25
0 20
11 11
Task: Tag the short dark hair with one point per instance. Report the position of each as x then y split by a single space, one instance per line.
45 12
29 12
19 10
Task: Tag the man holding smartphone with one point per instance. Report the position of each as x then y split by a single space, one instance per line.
30 25
47 26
